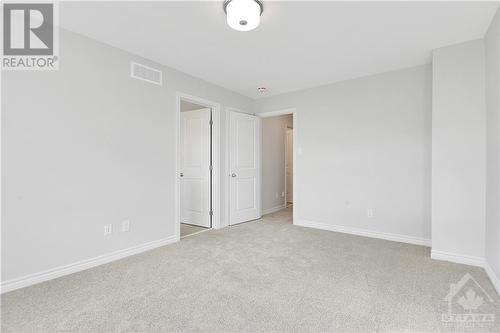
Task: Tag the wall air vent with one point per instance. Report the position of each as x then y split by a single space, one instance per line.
145 73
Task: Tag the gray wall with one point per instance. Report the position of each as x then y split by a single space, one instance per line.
273 160
85 146
492 52
458 151
365 143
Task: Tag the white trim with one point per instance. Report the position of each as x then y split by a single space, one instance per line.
364 232
457 258
276 113
286 161
287 129
273 209
296 148
78 266
226 171
216 176
495 280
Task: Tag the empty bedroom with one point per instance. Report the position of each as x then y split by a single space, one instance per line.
250 166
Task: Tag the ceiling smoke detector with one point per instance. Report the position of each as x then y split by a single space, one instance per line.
262 89
243 15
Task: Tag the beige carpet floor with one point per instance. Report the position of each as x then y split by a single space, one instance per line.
262 276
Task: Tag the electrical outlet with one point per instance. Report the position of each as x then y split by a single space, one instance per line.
282 194
108 229
126 226
369 212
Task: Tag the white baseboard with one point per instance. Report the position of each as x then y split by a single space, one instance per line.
457 258
495 280
273 209
50 274
365 232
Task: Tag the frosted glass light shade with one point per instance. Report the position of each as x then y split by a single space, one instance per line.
243 15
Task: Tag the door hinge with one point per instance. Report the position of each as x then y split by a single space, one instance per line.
211 213
211 122
211 167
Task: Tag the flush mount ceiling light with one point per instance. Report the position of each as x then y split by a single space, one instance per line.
243 15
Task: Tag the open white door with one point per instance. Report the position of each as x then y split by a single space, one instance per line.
244 167
195 167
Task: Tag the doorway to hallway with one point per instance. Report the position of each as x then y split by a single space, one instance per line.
198 183
277 163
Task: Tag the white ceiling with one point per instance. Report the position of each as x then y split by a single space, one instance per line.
298 44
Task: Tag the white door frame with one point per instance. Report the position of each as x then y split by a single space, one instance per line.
296 149
216 176
287 148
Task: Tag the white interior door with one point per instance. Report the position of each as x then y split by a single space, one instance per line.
289 165
244 167
195 167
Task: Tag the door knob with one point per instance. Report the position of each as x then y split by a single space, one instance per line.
182 175
233 175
